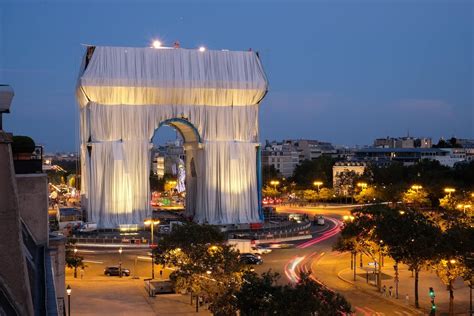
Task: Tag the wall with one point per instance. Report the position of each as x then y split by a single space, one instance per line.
13 274
33 204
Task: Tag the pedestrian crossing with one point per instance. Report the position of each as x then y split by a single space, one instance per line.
367 311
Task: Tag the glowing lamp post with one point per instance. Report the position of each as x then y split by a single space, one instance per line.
68 291
275 183
318 184
75 263
152 223
464 207
120 262
449 191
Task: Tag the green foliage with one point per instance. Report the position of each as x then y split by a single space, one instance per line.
204 264
259 295
270 191
310 195
368 195
326 194
407 235
310 170
73 260
269 173
416 197
450 143
394 178
23 144
347 181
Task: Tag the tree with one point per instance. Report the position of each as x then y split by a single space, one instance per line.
406 235
310 195
417 197
270 191
453 257
204 265
325 194
269 173
448 202
347 182
259 295
411 238
448 271
367 195
310 170
73 260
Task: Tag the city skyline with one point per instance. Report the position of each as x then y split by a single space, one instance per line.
343 73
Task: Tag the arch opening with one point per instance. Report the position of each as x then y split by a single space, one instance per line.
173 168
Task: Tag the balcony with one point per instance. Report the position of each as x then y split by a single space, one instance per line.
29 163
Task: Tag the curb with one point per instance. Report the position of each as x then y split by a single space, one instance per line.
413 309
277 240
123 246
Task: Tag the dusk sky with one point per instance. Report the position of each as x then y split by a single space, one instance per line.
339 71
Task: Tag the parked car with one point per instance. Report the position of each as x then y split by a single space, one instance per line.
261 250
250 258
115 271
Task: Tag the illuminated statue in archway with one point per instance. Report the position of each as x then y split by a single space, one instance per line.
180 186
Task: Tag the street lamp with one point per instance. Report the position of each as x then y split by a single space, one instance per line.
75 263
464 207
275 183
120 262
152 222
318 184
68 291
449 191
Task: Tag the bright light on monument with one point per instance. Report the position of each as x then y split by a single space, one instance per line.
156 44
202 49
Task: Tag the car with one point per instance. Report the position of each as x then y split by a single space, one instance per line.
250 258
261 250
115 271
320 221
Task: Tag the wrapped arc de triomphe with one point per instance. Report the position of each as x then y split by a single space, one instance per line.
211 97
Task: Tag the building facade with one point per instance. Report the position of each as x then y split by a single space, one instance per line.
346 168
32 260
284 156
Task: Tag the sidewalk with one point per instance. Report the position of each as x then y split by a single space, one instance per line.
406 294
101 295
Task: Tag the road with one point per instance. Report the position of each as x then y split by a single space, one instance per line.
314 255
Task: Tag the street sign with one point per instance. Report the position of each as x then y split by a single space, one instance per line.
372 264
153 246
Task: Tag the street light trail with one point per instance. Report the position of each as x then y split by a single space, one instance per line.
328 234
290 269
